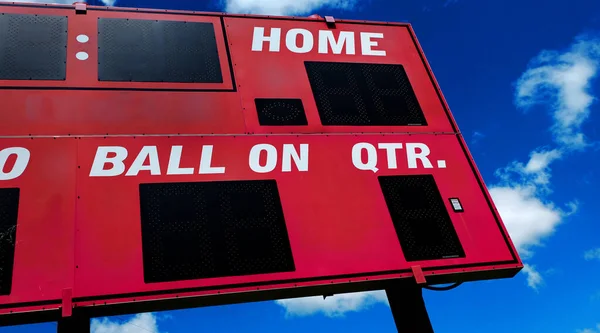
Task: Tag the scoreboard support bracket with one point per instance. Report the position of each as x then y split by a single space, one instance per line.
408 309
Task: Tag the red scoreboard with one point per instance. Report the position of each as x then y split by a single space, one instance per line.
164 159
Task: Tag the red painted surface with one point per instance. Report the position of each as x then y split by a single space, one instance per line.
44 253
67 302
68 112
418 274
78 232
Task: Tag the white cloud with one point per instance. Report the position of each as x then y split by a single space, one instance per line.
539 162
528 219
520 197
59 2
590 330
562 81
536 172
534 278
140 323
592 254
332 306
284 7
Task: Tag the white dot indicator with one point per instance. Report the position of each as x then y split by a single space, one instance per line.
83 38
82 55
441 164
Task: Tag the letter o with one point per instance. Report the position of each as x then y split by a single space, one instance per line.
308 40
254 158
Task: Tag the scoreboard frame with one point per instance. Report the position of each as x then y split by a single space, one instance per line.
84 130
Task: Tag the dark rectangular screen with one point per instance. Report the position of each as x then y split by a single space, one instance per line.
280 112
157 51
9 208
420 218
355 94
33 47
213 229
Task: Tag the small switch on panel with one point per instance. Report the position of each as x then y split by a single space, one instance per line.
456 205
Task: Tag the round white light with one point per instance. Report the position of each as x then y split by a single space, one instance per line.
83 38
82 55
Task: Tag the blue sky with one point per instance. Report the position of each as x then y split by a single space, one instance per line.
521 79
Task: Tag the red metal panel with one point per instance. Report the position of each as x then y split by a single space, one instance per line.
43 264
69 112
334 212
265 74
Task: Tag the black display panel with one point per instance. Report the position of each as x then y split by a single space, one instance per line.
356 94
157 51
212 229
33 47
280 112
420 218
9 208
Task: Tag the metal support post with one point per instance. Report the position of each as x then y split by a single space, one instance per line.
74 324
408 309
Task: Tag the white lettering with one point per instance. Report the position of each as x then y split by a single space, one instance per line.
205 161
259 38
301 160
412 155
254 158
391 153
371 163
303 41
149 153
291 41
174 167
326 37
101 159
366 43
20 165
